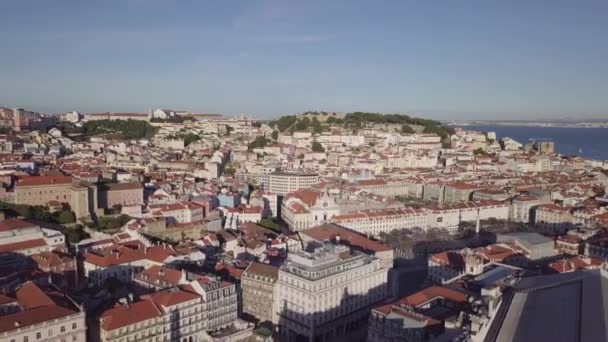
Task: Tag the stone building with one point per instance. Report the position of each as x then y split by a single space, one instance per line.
123 194
43 190
257 285
325 293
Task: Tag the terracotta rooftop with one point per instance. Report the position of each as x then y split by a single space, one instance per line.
23 245
43 180
35 316
432 292
173 296
13 223
328 232
126 315
263 270
37 307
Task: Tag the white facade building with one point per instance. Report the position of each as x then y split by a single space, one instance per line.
321 295
282 183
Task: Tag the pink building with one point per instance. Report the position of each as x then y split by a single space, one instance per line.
125 194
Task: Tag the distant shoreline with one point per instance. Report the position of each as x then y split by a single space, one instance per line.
531 124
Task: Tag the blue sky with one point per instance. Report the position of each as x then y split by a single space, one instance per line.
442 59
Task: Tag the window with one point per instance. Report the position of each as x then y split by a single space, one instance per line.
38 336
73 326
62 329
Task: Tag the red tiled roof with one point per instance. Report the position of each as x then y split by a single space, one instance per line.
429 293
574 264
121 254
157 274
6 299
371 182
13 223
331 231
172 297
263 270
23 245
126 315
30 296
43 180
449 258
35 316
51 259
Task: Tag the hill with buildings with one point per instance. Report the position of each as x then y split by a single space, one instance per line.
318 122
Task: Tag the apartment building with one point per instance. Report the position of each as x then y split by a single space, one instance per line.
34 313
181 212
168 315
458 192
282 183
416 318
445 266
122 262
433 192
522 208
242 214
341 235
257 285
327 140
324 293
384 187
19 237
374 222
554 218
449 216
221 304
182 313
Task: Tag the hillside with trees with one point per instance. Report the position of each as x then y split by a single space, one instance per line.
122 129
358 120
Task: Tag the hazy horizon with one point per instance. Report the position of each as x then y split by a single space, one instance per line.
447 61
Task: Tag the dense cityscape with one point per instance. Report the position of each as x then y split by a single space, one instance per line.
173 225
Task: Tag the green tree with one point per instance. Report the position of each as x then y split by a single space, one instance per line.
479 151
316 125
303 124
259 142
190 138
65 216
112 223
124 129
76 234
270 223
229 171
284 122
317 147
407 129
275 135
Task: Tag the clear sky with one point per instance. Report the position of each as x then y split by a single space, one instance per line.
444 59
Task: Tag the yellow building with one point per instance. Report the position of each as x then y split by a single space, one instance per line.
42 190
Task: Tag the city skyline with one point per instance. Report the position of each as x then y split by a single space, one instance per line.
454 61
